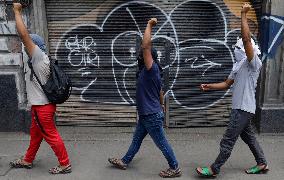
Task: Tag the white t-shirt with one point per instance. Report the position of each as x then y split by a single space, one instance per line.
245 82
40 62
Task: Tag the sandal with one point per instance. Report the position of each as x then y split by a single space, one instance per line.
117 163
170 173
258 169
59 170
205 172
18 163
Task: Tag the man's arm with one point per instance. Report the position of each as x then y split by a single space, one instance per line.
162 99
147 44
246 32
22 30
217 86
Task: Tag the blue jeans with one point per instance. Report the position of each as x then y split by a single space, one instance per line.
152 124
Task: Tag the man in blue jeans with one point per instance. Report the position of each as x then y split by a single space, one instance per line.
243 77
149 105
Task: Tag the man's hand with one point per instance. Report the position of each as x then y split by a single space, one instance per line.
246 8
205 87
147 45
17 7
22 30
152 22
217 86
246 37
164 108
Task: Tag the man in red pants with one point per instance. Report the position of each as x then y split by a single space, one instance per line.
43 126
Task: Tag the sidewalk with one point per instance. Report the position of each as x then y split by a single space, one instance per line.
89 149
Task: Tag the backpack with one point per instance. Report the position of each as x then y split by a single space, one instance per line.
58 86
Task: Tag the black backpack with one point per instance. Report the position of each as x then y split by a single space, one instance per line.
58 86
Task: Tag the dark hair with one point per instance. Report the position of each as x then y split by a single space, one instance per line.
141 64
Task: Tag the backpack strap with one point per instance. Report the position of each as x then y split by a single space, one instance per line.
54 61
34 74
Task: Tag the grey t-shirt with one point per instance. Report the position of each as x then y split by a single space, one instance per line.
245 82
40 62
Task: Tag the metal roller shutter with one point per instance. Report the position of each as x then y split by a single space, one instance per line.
96 43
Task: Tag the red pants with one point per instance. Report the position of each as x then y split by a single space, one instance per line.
43 127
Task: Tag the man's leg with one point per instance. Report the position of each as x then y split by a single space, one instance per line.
154 126
138 137
238 121
35 140
248 137
45 117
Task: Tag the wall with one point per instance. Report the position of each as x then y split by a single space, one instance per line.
96 42
271 98
13 104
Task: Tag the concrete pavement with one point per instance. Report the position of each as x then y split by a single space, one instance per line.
90 147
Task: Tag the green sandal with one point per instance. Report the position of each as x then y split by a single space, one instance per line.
257 170
205 172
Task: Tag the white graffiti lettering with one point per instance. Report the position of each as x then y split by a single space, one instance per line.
85 48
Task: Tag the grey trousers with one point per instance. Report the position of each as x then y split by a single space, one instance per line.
239 125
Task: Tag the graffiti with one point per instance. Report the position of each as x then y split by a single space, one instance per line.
83 48
272 34
210 64
100 57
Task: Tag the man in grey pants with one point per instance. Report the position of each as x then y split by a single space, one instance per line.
243 77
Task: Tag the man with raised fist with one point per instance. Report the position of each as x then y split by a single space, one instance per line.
43 125
149 106
243 77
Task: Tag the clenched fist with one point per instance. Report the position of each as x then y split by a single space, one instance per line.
17 7
152 22
204 87
246 8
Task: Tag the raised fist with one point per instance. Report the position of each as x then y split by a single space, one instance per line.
24 3
153 21
17 7
246 7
